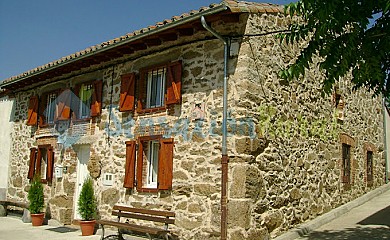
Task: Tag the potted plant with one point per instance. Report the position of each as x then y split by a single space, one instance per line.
87 208
37 201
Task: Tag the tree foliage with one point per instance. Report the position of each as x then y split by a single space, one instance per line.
347 35
87 206
35 196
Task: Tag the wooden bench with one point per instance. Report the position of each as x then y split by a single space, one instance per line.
13 203
140 214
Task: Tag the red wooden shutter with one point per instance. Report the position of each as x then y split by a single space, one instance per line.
140 158
32 115
126 102
38 163
130 165
50 164
165 164
174 83
141 102
33 158
42 108
63 105
96 106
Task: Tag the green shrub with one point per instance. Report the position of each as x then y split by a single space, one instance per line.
87 201
35 196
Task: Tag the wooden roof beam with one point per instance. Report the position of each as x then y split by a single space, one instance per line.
153 42
185 31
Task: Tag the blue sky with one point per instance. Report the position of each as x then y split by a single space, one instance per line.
35 32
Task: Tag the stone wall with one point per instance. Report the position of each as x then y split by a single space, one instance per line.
283 142
291 171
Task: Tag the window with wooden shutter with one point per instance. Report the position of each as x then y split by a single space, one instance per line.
88 100
41 163
48 108
33 158
63 105
130 164
32 114
126 101
159 87
96 105
154 164
174 83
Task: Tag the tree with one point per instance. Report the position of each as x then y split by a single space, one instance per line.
347 35
87 202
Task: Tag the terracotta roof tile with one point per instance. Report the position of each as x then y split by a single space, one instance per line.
231 5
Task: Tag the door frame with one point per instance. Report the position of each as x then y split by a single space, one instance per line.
83 156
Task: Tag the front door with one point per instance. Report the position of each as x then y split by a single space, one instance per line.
82 173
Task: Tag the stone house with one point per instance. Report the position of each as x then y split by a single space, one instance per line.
142 115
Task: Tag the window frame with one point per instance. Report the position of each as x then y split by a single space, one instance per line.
346 163
35 164
95 105
160 85
136 164
369 149
141 165
347 142
171 90
43 121
82 105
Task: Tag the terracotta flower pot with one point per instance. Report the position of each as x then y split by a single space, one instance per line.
37 219
87 227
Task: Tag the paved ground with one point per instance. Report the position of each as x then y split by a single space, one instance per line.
12 228
371 220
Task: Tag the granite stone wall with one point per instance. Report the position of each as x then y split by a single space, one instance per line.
284 140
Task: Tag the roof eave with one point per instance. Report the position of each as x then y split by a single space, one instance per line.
168 26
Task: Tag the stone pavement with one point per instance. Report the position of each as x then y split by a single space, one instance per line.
12 228
369 219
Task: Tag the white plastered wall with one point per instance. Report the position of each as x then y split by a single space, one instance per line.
6 113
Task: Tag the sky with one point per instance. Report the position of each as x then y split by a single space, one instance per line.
36 32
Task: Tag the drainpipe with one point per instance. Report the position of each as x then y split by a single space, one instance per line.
385 123
225 158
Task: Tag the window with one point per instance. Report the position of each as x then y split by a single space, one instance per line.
369 151
85 97
155 88
347 163
159 87
153 162
346 168
48 108
369 157
41 163
89 101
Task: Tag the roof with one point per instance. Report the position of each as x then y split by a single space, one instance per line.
230 6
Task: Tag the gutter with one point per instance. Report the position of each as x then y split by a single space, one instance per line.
174 24
385 125
225 157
